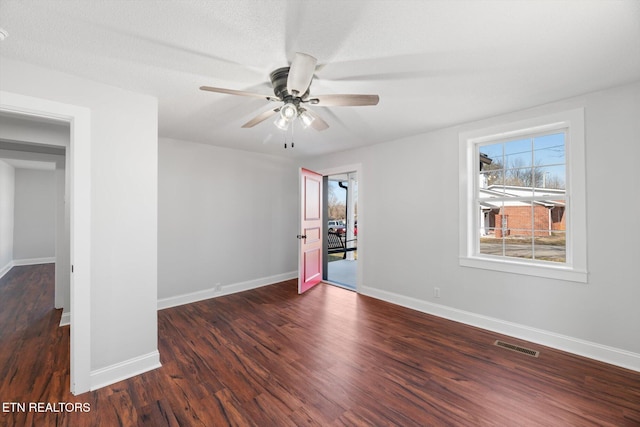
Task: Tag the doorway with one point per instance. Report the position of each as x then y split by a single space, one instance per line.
41 215
79 163
341 213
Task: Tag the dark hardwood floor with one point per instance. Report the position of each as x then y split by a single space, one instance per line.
331 357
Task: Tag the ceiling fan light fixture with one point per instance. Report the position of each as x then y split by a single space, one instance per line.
281 123
289 111
306 118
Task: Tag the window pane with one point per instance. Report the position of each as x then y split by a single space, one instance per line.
491 246
519 245
550 241
528 230
493 152
520 177
487 219
549 150
552 177
490 228
518 154
492 180
491 167
552 247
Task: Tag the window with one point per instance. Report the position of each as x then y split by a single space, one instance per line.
522 197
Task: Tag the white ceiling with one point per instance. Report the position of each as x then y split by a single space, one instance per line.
433 63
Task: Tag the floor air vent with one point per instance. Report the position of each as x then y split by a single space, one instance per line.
517 348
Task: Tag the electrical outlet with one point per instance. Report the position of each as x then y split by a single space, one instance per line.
436 292
217 287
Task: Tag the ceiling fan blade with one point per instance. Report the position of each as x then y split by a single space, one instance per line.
344 100
301 73
239 92
318 122
260 118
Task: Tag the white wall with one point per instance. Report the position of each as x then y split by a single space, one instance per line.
225 216
34 233
7 191
124 161
413 184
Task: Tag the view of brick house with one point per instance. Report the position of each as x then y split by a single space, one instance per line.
519 218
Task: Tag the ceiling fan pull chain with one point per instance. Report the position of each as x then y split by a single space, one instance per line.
293 125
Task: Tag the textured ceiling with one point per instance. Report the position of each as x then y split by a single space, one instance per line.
433 63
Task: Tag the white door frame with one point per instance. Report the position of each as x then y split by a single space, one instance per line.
357 168
79 119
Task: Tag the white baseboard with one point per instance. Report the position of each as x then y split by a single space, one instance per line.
34 261
31 261
121 371
603 353
4 270
65 319
224 290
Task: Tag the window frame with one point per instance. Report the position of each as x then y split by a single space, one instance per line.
575 267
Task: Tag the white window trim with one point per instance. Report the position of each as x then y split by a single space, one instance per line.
575 269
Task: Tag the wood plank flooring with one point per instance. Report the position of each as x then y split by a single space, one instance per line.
331 357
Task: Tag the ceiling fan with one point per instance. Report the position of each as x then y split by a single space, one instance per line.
291 87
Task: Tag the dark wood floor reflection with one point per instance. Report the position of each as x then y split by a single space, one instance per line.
331 357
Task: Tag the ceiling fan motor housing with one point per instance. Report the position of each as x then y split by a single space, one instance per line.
279 81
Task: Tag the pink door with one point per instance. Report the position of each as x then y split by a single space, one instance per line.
310 254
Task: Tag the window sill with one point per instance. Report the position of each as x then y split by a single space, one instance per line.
527 269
